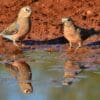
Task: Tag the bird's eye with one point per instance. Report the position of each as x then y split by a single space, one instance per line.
68 19
28 10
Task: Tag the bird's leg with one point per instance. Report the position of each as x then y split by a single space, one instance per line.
79 45
14 39
14 42
70 45
22 44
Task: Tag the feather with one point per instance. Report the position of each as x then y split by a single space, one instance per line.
7 36
13 28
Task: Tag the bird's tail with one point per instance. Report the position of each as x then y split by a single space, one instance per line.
7 36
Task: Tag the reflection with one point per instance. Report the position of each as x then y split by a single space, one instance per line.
71 69
22 72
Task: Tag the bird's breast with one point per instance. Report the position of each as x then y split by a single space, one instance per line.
23 25
69 31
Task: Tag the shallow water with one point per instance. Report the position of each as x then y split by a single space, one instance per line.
48 77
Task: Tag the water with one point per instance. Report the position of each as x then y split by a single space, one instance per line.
47 80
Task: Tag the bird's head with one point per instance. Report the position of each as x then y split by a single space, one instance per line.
67 21
25 12
25 87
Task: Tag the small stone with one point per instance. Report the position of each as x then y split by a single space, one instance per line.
89 12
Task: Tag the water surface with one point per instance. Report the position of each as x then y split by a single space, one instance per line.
47 78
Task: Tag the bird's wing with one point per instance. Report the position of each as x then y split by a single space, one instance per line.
13 28
9 37
12 70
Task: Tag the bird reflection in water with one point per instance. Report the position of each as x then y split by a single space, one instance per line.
22 72
71 69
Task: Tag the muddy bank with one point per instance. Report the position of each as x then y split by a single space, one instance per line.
7 48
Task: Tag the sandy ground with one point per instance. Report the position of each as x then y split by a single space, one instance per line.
46 19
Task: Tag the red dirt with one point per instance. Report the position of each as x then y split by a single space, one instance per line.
47 14
8 49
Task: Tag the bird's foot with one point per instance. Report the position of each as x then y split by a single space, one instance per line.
15 44
77 49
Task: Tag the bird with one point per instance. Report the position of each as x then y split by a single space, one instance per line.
71 32
20 27
71 69
23 74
